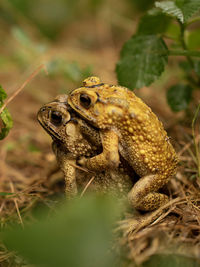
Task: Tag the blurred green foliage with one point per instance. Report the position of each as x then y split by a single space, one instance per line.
69 70
76 234
48 15
142 5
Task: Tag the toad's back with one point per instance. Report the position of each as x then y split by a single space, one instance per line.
127 125
143 142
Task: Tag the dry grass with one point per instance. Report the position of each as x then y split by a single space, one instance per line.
176 225
175 229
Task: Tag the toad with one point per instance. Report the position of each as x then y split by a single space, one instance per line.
72 138
128 127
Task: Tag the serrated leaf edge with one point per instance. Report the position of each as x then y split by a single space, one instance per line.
172 10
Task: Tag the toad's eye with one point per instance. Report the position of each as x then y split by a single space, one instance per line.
85 100
56 118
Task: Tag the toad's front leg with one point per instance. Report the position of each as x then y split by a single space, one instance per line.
109 158
66 164
144 195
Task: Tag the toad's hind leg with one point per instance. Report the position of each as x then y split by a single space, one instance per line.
144 195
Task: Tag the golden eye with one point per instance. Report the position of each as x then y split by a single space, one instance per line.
56 118
85 101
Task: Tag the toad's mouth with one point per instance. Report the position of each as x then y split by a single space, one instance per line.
53 119
54 135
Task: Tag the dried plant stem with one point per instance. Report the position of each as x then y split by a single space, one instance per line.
16 92
80 168
87 185
16 204
195 142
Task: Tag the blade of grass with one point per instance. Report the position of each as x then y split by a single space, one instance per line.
194 139
16 204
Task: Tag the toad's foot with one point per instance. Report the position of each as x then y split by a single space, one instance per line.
136 223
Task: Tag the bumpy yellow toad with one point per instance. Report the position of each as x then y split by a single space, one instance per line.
129 127
72 138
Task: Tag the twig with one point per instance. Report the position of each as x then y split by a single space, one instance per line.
8 100
80 168
86 187
16 204
195 143
186 146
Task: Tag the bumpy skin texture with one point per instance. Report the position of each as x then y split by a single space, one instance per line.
127 125
73 138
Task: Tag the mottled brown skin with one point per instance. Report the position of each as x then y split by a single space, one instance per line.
129 127
73 138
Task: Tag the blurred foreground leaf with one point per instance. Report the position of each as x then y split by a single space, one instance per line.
179 96
5 116
78 234
142 61
171 260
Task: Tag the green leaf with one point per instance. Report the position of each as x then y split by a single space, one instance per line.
3 95
78 234
5 116
188 7
179 96
180 9
170 8
142 61
153 24
7 123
